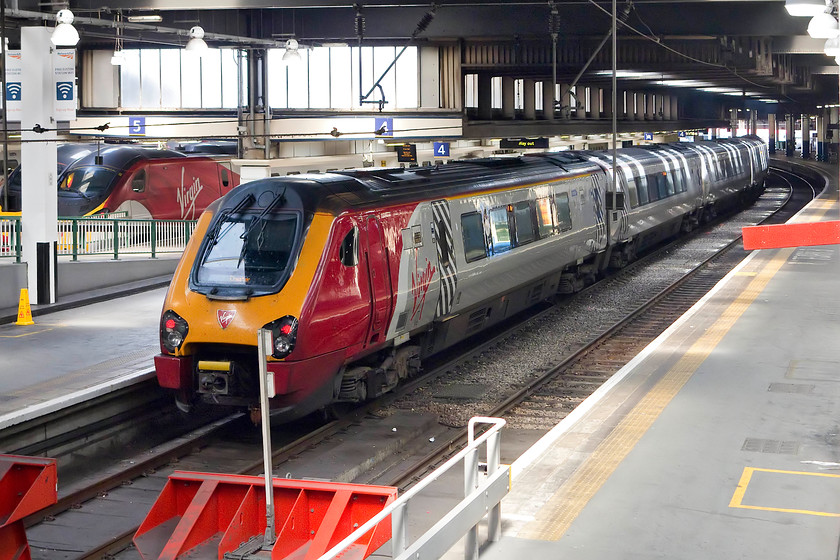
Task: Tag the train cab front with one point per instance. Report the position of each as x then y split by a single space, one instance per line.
249 266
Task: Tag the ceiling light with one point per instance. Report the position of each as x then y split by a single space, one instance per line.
832 47
64 35
291 53
805 7
118 58
823 26
145 18
196 43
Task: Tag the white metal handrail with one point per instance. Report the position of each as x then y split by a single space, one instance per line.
479 497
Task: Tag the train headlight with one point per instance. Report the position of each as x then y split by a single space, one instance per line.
173 331
283 336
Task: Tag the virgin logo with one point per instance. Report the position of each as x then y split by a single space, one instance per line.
225 316
187 195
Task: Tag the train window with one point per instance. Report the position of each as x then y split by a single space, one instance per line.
652 188
641 184
668 179
499 229
545 222
564 214
138 182
523 223
348 253
631 190
90 181
472 230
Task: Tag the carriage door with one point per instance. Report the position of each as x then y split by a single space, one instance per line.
442 225
380 280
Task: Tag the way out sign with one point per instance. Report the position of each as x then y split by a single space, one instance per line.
441 149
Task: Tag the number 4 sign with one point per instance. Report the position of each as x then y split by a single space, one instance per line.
441 149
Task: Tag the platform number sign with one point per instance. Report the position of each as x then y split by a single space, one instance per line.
384 126
681 134
441 149
648 135
137 126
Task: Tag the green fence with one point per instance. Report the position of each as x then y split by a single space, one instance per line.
104 236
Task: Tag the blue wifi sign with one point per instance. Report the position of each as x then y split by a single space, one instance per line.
64 91
13 91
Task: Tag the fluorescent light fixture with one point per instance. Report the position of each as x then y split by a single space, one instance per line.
805 8
145 18
64 35
823 26
196 43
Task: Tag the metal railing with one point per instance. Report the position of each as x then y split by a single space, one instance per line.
10 246
104 236
483 493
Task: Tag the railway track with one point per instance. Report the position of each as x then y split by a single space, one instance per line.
139 478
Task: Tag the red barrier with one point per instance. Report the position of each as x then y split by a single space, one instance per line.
791 235
201 515
27 485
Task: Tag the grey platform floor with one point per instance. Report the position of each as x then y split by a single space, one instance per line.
721 440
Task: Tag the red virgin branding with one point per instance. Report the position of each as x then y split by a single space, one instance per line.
225 316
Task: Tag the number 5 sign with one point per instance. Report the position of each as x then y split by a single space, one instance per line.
137 126
441 149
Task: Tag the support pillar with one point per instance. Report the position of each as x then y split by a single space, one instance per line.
548 100
658 107
529 99
650 109
773 131
640 106
733 121
607 111
753 122
39 201
790 136
630 105
675 108
508 98
595 102
485 96
666 107
806 136
821 136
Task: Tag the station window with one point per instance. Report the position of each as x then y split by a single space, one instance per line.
523 222
564 214
545 222
500 229
472 230
348 253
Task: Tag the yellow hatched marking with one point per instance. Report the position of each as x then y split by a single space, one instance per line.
738 497
557 515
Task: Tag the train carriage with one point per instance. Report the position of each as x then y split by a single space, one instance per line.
360 275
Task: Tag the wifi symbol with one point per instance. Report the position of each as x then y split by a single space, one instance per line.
13 91
64 91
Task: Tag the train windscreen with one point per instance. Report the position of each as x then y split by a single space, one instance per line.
248 251
92 181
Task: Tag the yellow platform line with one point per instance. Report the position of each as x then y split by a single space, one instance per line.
557 515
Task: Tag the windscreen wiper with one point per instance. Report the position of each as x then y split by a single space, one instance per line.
216 236
278 199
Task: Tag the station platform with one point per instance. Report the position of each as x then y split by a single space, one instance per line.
720 440
81 347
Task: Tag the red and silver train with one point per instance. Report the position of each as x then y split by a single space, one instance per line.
136 181
362 274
